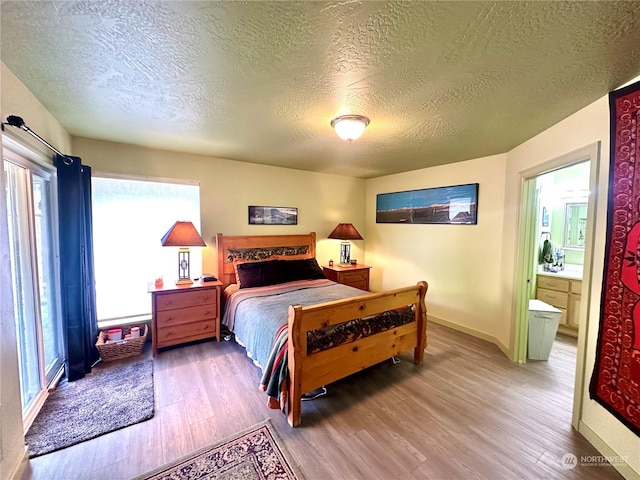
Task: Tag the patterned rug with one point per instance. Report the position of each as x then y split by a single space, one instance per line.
253 454
615 383
113 396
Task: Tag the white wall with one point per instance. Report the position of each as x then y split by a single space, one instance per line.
17 100
228 187
461 263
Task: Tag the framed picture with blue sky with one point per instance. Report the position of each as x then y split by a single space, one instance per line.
456 204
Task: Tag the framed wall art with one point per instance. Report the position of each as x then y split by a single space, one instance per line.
273 215
456 204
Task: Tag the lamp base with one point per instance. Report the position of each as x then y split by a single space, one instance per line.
345 253
184 273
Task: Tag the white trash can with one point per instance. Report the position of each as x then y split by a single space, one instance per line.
543 326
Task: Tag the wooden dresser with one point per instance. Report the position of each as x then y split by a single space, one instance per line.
184 313
565 294
354 275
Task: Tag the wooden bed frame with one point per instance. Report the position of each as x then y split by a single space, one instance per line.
310 371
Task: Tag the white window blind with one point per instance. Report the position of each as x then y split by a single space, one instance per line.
130 216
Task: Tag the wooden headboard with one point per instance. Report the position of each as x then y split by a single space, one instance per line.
260 247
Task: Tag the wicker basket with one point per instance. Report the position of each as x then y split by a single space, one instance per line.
124 348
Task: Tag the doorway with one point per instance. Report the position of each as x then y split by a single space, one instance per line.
530 229
561 210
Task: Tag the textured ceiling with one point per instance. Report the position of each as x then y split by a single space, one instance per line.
260 81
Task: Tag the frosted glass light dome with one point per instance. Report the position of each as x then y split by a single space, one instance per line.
350 127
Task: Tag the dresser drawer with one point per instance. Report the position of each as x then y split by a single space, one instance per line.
361 284
557 299
354 277
186 332
550 283
171 301
168 318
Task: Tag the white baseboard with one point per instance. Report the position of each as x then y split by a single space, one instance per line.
619 462
474 333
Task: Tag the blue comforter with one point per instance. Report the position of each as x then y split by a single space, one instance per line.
255 315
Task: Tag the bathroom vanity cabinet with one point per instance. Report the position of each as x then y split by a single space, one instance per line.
564 292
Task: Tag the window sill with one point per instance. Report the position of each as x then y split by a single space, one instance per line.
124 321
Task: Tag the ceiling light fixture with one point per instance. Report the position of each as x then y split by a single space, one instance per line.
350 127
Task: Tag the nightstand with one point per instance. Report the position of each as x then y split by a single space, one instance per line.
184 313
353 275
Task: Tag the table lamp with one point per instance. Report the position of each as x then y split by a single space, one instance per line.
345 232
183 235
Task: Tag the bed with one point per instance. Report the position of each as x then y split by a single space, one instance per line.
302 342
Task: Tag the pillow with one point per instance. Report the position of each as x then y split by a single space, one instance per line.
240 261
305 269
272 272
260 274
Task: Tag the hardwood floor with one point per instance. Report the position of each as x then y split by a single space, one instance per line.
468 412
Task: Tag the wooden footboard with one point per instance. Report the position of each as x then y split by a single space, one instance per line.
310 371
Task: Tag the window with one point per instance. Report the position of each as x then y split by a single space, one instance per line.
130 216
30 191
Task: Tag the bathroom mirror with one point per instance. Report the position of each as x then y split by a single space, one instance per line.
575 225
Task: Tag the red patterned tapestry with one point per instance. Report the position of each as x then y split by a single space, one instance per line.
615 383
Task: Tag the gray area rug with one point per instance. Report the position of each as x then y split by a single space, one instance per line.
111 397
253 454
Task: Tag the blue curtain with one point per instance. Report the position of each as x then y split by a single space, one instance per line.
76 266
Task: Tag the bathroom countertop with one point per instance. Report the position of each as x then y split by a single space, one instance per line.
572 272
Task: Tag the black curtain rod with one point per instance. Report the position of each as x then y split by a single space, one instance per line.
18 122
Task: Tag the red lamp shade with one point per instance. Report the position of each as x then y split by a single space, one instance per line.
182 234
345 231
